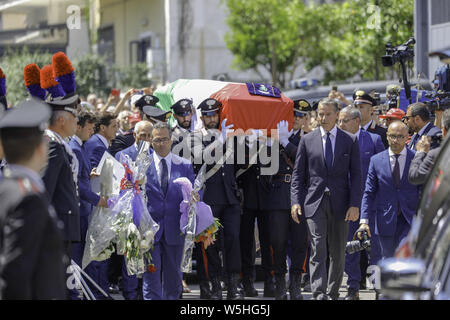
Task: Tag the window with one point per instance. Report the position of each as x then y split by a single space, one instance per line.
440 11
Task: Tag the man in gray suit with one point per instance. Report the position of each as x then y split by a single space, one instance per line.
327 175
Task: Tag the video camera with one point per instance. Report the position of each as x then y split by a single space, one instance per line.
400 53
441 97
358 245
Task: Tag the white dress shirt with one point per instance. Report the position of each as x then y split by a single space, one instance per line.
77 139
333 133
103 139
158 165
401 160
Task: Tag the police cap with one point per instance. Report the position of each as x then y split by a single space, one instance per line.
361 97
209 107
182 107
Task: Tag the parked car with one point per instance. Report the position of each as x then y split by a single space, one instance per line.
421 266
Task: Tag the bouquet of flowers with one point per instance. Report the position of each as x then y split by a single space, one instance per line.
134 227
100 233
197 220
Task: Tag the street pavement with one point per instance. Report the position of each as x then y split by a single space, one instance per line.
259 285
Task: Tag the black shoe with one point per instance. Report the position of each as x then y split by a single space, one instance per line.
205 290
305 280
280 288
216 289
294 287
305 284
233 292
269 288
323 296
113 289
352 294
249 289
363 285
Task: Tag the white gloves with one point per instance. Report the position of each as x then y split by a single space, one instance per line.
224 131
283 132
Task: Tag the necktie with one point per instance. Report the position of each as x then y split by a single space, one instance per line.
164 176
328 152
396 172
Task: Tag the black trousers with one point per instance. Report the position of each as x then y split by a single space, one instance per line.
298 245
230 218
279 229
248 248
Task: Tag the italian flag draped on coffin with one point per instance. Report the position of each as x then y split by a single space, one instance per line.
246 105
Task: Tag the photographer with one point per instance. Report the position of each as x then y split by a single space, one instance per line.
424 159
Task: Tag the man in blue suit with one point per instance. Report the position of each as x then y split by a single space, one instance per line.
164 198
369 144
327 175
389 197
88 199
418 119
105 131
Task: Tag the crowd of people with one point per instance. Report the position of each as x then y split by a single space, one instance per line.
344 170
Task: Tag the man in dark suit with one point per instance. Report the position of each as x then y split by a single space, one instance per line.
388 195
369 144
31 236
164 198
418 120
365 103
88 199
61 174
327 183
424 160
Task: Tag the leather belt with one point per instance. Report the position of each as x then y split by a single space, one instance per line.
282 178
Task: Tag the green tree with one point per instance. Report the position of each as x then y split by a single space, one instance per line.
345 39
13 63
92 75
264 33
352 36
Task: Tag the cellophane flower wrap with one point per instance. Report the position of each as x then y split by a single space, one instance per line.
134 227
196 221
100 233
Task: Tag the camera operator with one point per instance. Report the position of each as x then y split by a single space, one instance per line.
424 159
418 119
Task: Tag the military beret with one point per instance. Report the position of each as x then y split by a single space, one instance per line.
209 107
182 107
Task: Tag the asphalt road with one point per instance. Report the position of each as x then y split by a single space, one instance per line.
259 285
